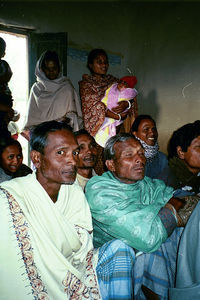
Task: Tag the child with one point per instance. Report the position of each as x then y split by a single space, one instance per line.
5 70
122 91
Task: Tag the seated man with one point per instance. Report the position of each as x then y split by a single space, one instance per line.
46 248
183 171
184 160
87 157
138 210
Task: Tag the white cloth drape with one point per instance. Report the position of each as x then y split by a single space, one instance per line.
53 100
53 238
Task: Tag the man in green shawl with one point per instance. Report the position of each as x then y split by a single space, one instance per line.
126 205
138 210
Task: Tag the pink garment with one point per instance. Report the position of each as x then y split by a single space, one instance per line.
111 98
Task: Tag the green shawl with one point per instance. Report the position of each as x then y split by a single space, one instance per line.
128 211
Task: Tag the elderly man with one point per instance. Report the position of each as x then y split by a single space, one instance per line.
138 210
87 157
46 249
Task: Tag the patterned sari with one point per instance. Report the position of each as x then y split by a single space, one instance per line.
92 90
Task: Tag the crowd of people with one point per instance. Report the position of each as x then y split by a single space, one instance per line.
101 213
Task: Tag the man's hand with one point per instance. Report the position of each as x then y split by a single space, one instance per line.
177 203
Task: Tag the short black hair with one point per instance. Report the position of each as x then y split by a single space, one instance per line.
39 134
2 47
183 137
93 54
109 152
138 119
80 132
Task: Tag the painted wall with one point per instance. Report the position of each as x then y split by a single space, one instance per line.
158 41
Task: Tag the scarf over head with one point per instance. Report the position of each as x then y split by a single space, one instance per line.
128 211
53 100
46 251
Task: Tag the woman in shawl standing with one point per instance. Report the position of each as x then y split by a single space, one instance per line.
92 90
52 96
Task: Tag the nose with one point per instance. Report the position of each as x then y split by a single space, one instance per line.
71 159
15 161
88 150
151 131
140 158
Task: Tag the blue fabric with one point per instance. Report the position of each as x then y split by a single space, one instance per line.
157 270
120 272
115 270
188 266
154 167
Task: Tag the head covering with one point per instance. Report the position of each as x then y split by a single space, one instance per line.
53 100
131 80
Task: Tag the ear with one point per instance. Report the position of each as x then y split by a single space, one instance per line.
36 158
90 65
134 133
110 165
180 152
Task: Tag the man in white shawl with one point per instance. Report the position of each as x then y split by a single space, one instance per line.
46 249
52 96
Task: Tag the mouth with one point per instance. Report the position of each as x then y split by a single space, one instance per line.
140 169
89 158
70 172
13 168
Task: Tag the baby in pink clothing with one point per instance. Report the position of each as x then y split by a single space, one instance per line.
114 94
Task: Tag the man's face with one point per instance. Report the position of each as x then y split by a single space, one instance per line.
129 162
192 156
58 163
147 132
88 151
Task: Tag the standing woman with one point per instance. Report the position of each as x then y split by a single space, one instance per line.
92 90
52 96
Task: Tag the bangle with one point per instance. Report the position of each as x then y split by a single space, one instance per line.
129 104
120 117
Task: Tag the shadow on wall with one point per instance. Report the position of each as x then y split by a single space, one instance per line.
149 104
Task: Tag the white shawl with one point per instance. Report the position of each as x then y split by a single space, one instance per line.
53 100
45 248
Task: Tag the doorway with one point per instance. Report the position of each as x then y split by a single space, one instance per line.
22 53
17 57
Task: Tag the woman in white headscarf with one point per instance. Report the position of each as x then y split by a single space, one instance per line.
52 96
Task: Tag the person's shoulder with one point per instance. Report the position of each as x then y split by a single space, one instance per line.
75 187
99 180
4 63
3 176
86 78
14 183
111 77
23 171
162 155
